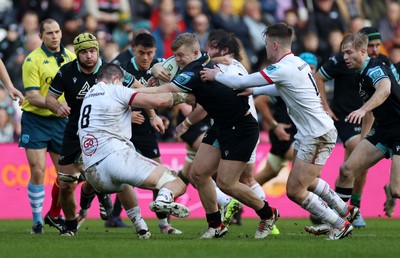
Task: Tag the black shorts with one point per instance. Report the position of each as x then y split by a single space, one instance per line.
280 148
346 130
236 142
386 139
146 145
195 131
70 149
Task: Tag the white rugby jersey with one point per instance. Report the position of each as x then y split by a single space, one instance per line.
236 67
294 82
105 122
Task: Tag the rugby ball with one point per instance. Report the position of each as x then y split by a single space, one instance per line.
172 66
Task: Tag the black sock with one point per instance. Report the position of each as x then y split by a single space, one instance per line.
344 193
214 219
117 209
86 200
161 215
265 212
71 224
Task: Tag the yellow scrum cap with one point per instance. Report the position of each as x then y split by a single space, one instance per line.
84 41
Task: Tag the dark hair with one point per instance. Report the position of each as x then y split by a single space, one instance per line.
144 39
108 71
221 39
279 30
41 26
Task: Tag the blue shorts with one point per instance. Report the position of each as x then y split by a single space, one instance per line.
39 132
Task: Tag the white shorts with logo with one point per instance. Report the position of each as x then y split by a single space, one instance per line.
124 167
317 150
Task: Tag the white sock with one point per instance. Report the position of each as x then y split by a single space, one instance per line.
163 222
324 191
222 198
257 190
165 195
319 208
135 216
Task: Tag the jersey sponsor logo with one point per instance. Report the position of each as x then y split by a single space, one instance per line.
89 145
82 93
183 78
302 66
375 73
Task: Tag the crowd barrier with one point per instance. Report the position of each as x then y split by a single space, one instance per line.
14 176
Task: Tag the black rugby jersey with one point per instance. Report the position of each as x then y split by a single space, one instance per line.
75 84
221 103
346 91
375 70
123 57
142 76
346 97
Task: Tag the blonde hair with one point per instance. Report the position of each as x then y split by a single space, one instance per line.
186 39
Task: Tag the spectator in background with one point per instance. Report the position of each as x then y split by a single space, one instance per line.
334 40
90 24
7 132
141 10
193 9
357 23
201 28
292 19
28 25
390 21
166 6
165 34
325 18
10 43
268 8
123 33
14 63
107 12
256 23
229 21
394 56
215 6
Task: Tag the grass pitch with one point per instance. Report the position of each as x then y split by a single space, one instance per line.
379 239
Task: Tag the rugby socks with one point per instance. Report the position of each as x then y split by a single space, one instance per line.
222 198
135 215
165 195
324 191
265 212
55 208
257 190
36 199
355 200
117 208
86 199
214 219
320 209
344 193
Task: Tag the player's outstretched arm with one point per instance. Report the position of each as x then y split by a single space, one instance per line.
12 91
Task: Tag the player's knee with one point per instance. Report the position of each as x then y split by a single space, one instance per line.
346 171
167 176
68 182
225 187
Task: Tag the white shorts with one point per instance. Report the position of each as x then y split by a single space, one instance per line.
317 150
124 167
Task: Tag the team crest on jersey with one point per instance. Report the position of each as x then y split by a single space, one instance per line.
85 89
89 145
271 68
183 78
74 79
